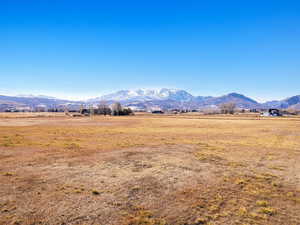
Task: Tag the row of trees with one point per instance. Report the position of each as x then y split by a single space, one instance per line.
117 110
226 108
103 109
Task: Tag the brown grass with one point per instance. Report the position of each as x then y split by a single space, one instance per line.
149 169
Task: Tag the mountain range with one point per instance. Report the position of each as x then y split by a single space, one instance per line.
163 98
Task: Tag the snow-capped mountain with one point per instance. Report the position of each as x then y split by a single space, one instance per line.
147 95
175 98
163 98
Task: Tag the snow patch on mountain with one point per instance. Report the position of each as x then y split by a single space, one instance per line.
146 95
35 96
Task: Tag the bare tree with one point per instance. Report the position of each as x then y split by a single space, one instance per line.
228 108
103 109
116 109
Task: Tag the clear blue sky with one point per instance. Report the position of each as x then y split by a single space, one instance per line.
88 48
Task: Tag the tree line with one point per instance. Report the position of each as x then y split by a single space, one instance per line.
115 109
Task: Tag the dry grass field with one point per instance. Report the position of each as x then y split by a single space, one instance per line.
149 170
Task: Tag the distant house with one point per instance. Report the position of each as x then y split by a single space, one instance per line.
157 112
272 112
23 109
136 108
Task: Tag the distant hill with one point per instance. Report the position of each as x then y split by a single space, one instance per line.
163 98
291 102
240 100
7 102
296 106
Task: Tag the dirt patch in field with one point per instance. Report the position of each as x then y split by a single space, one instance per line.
159 185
